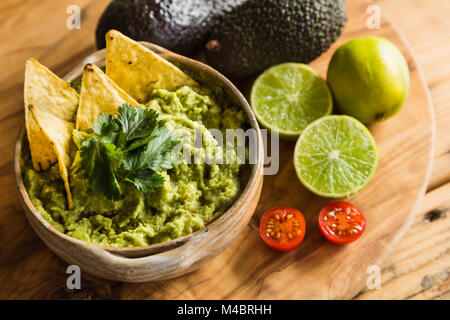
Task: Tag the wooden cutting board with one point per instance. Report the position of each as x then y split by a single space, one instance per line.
248 269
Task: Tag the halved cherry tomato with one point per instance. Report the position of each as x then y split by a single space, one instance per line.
341 222
282 228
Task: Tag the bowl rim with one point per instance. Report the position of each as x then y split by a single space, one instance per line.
134 252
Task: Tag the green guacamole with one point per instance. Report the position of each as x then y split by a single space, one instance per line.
192 195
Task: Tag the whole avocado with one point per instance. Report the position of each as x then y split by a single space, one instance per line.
262 33
177 25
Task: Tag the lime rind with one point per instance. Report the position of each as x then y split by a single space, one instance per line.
335 157
286 98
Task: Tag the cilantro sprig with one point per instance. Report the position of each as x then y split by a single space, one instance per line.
132 146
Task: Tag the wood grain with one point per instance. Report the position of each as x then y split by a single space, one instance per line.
420 267
426 25
29 270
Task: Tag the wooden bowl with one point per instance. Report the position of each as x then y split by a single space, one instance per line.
168 259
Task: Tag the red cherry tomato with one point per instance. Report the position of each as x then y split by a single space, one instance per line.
341 222
282 228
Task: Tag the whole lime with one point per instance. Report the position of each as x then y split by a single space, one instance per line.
369 79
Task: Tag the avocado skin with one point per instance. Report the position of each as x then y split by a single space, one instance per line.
262 33
181 26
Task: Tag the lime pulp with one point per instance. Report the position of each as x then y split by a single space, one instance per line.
335 157
288 97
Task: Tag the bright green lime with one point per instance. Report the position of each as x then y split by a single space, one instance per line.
335 157
286 98
369 79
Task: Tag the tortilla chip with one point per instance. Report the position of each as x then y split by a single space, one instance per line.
99 94
138 70
58 133
47 92
50 107
42 154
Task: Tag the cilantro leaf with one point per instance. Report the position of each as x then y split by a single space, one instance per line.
100 161
132 146
146 180
136 123
88 153
106 128
138 143
157 153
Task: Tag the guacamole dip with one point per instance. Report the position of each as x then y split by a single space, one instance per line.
191 196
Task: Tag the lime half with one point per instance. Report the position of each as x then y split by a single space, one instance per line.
286 98
336 156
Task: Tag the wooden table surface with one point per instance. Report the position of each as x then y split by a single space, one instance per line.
418 269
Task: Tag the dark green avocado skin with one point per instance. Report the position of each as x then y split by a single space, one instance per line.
181 26
262 33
